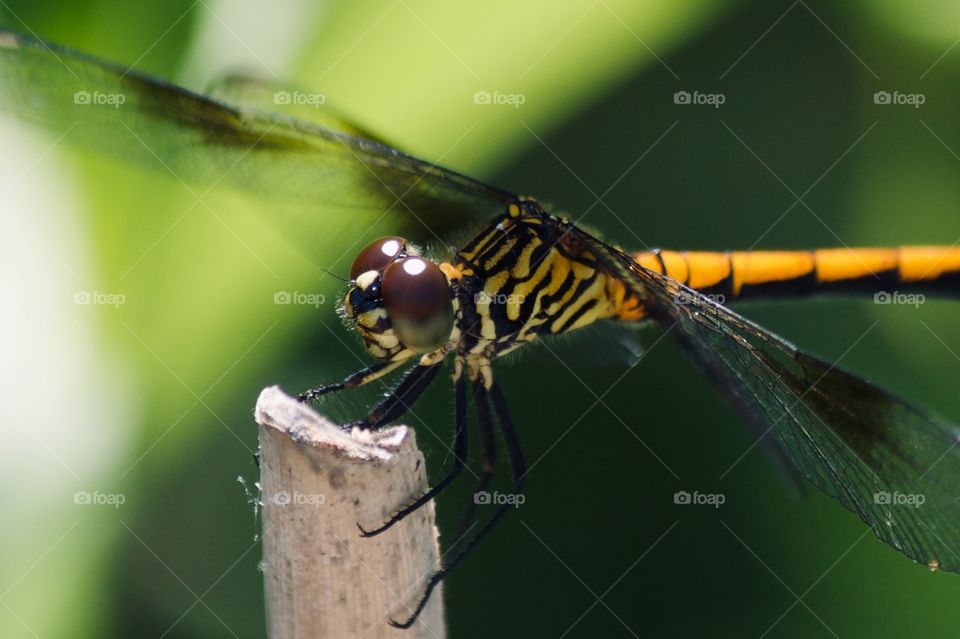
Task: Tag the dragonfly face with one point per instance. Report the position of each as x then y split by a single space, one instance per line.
401 303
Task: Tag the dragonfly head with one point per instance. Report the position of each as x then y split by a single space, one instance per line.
401 303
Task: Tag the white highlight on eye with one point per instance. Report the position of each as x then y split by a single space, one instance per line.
414 266
390 248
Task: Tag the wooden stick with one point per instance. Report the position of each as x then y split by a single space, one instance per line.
318 482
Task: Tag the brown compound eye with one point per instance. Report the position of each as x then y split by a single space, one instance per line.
416 296
377 256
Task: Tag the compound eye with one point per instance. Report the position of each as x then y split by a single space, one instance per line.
416 296
377 256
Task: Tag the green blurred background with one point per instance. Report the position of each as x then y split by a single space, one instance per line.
152 400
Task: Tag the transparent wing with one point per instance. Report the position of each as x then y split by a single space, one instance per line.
307 171
254 92
895 467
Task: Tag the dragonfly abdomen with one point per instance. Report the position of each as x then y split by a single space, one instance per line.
776 274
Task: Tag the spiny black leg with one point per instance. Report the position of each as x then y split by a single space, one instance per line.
402 397
488 443
518 468
460 441
356 379
518 465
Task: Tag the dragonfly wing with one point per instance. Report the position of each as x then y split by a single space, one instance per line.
249 91
886 461
307 170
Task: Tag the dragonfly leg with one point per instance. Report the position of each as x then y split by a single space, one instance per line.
460 441
489 453
402 397
359 378
518 468
518 465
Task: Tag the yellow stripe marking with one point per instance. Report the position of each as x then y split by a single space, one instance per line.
845 264
594 292
522 267
560 268
522 291
677 266
761 267
648 261
707 269
495 259
482 243
918 263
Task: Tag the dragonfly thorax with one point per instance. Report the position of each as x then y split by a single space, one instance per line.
526 276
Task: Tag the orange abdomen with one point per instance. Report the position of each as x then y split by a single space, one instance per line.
770 274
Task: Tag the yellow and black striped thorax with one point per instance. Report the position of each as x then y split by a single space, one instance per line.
527 275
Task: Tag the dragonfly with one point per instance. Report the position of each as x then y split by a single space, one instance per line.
528 274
